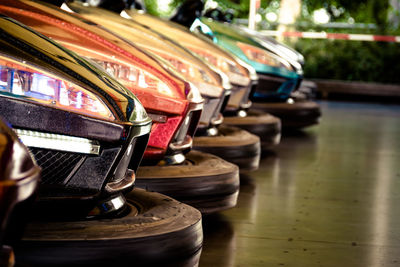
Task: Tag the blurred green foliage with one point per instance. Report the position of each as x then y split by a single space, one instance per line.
164 10
329 59
360 11
350 60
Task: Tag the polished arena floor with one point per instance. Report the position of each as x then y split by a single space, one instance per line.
328 196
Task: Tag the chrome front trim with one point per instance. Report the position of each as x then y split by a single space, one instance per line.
246 105
109 206
126 182
218 120
173 159
237 79
139 130
185 144
239 95
58 142
211 109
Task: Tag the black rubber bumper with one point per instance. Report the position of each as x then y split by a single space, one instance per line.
233 144
157 230
204 181
295 115
262 124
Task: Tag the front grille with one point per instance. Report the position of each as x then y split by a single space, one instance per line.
56 165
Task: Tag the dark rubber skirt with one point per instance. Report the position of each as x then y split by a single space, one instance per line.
233 144
156 230
297 115
203 181
264 125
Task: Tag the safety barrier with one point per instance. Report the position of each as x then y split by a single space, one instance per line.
341 36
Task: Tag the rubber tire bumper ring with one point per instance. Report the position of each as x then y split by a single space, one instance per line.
165 232
233 144
204 181
262 124
298 115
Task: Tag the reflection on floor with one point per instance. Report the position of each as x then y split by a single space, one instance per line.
328 196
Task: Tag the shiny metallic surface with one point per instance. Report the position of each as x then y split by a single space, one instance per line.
74 70
19 179
174 159
328 196
210 114
189 40
109 206
148 40
19 173
125 183
185 144
85 178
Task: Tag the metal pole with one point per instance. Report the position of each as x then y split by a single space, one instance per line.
252 14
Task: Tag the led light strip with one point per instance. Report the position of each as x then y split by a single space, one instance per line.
58 142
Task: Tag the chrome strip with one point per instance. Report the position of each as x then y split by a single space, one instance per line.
108 206
172 160
138 130
58 142
120 185
186 144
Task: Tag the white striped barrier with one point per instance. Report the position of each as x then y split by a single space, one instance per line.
340 36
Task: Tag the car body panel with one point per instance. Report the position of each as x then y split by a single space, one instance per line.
209 83
227 37
19 180
75 33
241 79
70 176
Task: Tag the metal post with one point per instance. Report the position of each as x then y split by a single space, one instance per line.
252 14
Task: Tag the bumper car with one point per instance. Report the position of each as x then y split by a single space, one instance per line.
174 105
88 134
278 78
213 85
300 110
19 179
242 77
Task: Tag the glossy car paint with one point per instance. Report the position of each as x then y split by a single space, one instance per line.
266 126
277 81
192 68
87 38
121 140
240 77
156 159
19 179
295 58
228 37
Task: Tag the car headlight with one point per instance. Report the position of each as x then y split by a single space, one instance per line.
262 56
220 62
181 70
18 79
201 82
131 76
189 71
235 74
